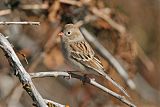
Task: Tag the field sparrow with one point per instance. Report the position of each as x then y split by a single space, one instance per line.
79 53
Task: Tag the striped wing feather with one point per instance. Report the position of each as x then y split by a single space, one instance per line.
83 53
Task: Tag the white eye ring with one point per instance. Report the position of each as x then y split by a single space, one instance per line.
68 32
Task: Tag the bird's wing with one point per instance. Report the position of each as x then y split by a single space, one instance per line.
84 54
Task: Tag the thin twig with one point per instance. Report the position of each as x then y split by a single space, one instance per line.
49 74
107 55
20 72
19 23
83 79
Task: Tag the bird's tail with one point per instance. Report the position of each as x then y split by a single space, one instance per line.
102 72
116 84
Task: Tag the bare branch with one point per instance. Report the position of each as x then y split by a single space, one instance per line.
20 72
106 54
49 74
19 23
83 79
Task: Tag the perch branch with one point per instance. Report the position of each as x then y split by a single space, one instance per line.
19 23
83 79
20 72
106 54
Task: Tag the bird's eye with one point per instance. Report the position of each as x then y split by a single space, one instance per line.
69 33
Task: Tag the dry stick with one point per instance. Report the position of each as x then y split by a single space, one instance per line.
83 79
106 54
49 74
20 72
19 23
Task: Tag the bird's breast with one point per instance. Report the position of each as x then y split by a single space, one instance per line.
65 49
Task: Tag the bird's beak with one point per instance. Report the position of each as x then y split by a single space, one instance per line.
60 34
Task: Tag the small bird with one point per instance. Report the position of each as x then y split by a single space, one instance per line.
80 55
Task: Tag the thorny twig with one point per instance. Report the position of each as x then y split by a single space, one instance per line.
83 79
20 72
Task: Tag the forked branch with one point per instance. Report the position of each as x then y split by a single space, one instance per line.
23 76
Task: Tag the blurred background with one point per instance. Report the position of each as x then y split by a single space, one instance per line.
137 48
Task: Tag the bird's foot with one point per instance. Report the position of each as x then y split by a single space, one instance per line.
68 77
85 79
